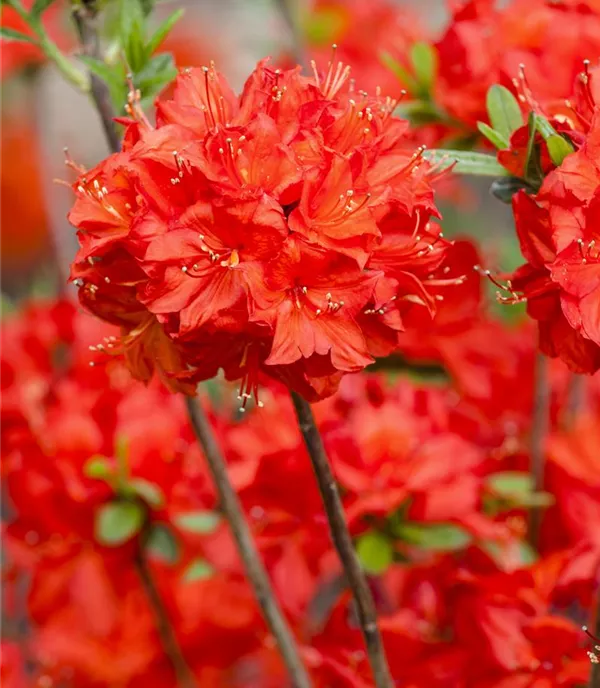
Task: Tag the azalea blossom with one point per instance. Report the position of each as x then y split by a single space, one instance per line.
293 221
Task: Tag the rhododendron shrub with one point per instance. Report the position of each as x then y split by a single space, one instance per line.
426 478
431 520
292 225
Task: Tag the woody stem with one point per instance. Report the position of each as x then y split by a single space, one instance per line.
540 422
343 542
255 570
595 668
85 18
576 393
185 678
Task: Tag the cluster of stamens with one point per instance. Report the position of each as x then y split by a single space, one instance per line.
594 653
381 310
337 75
586 250
507 287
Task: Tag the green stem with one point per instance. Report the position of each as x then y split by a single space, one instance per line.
50 49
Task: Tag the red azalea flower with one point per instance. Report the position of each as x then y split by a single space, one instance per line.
272 216
485 44
557 232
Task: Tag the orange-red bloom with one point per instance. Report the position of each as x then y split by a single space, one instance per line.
290 221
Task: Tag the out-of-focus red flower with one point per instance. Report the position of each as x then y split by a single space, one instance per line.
291 221
362 31
24 222
19 54
485 44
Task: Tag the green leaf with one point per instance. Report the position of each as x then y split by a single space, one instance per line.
163 544
527 555
493 136
203 522
407 80
477 164
438 537
517 487
98 467
162 32
132 24
114 78
149 492
544 127
40 6
424 60
12 35
117 522
558 148
375 551
532 169
510 482
156 74
199 569
503 110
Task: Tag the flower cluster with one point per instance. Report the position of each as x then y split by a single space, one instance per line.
284 231
557 230
433 492
485 44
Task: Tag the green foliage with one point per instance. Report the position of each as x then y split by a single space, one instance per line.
148 72
438 537
516 489
11 35
199 569
147 491
504 111
40 6
493 136
375 551
202 522
98 468
162 543
118 521
424 61
478 164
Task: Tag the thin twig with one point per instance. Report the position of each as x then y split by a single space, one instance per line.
595 634
576 399
289 11
540 424
343 542
183 673
255 570
85 17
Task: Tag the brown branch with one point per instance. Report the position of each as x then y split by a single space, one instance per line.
85 18
576 397
184 675
255 570
343 542
540 424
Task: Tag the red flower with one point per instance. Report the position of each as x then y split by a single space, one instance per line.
484 45
561 280
271 217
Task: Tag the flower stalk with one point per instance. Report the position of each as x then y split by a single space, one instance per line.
184 676
255 570
540 423
85 16
343 542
